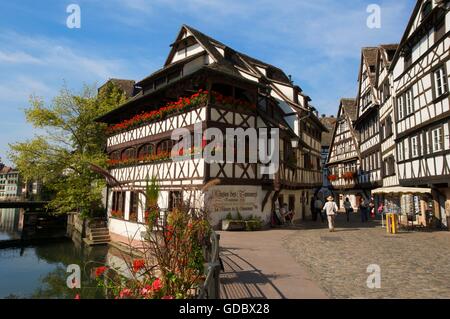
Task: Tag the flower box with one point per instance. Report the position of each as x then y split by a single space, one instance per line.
233 225
348 175
332 178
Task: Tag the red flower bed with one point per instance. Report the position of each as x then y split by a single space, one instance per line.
183 104
144 159
230 101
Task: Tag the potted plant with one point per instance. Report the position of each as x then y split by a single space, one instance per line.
233 224
239 223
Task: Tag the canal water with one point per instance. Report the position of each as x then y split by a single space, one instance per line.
40 271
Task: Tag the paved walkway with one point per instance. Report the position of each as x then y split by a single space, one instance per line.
413 264
258 266
311 262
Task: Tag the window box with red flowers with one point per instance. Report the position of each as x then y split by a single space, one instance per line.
117 214
348 176
332 178
231 102
183 104
153 158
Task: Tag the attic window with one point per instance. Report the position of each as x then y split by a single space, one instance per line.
426 9
372 68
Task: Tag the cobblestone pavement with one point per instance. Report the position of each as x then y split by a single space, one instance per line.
257 266
413 264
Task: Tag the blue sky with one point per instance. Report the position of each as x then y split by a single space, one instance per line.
317 42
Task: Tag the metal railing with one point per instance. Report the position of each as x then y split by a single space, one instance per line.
211 287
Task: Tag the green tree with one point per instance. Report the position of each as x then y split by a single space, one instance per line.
69 142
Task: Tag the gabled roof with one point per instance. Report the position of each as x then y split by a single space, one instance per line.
6 169
234 56
369 58
329 122
350 108
416 10
347 110
226 61
386 54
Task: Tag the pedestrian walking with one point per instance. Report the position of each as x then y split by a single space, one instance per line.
312 207
318 206
330 208
364 210
348 208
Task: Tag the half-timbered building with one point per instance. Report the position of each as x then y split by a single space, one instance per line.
327 137
206 84
344 156
384 86
367 123
420 71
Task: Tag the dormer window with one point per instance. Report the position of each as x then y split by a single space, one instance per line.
426 9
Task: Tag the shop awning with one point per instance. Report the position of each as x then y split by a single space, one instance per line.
402 190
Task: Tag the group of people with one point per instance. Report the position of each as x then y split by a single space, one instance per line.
326 211
330 209
282 215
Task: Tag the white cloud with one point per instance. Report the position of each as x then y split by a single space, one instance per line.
18 57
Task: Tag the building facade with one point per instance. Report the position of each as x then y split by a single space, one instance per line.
403 119
10 183
422 114
205 84
327 137
344 158
367 123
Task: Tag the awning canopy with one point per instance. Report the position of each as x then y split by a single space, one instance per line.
402 190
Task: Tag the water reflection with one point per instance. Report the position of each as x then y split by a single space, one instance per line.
11 223
40 271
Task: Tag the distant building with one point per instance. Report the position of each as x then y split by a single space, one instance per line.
10 183
344 156
329 122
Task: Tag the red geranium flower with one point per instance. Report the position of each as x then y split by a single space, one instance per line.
77 296
146 290
138 264
168 297
125 293
157 285
100 270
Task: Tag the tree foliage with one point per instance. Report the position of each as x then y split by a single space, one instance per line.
68 142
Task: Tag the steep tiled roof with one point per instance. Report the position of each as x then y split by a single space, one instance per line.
370 58
234 56
6 169
350 108
329 122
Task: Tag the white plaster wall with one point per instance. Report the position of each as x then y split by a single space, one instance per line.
126 229
216 214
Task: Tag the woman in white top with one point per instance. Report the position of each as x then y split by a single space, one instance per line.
330 209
